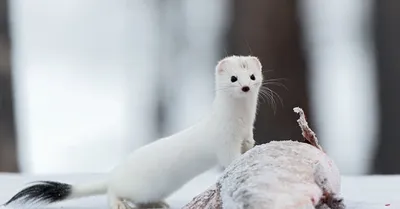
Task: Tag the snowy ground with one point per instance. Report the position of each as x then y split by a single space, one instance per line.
364 192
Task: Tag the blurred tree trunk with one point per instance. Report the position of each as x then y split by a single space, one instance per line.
387 33
7 130
270 30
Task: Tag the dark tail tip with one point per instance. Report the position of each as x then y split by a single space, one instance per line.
44 192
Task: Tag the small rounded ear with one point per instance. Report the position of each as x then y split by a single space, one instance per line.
256 61
221 65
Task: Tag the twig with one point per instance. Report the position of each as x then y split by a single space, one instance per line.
306 131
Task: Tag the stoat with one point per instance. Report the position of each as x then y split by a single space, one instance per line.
153 172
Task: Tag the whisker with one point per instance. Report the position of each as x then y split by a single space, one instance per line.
276 79
274 94
267 96
277 84
271 99
261 97
270 95
256 83
273 103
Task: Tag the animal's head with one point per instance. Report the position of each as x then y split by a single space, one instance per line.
239 76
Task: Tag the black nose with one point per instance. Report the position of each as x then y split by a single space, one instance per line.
245 88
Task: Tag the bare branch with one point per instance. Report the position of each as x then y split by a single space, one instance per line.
307 133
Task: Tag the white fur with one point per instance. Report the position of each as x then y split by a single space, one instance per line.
153 172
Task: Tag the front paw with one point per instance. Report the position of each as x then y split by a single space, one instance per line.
247 144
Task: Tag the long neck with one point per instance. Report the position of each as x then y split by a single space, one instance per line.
229 108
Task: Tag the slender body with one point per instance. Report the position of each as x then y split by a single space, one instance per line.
153 172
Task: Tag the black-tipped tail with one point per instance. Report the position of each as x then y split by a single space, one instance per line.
42 192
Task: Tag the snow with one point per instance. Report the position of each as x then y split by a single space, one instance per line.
359 192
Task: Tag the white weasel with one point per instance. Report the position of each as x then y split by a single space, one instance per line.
153 172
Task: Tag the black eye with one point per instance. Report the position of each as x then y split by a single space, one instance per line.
252 77
233 79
